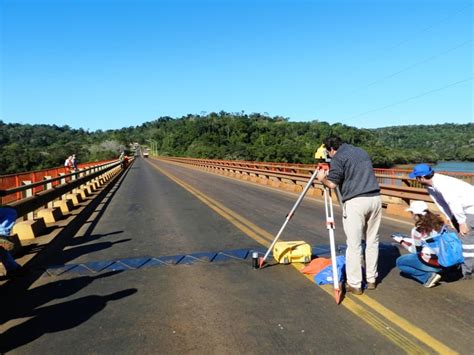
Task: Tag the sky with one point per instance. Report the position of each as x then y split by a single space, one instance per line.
109 64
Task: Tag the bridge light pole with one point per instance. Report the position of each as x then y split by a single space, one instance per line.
154 146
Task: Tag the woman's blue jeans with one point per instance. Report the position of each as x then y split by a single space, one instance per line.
411 266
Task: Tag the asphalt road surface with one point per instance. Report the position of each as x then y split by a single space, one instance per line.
159 210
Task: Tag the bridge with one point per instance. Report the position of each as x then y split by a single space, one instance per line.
155 259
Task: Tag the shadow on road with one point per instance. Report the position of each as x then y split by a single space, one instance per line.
24 305
74 253
387 261
20 301
57 317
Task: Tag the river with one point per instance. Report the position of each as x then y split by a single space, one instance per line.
454 166
457 166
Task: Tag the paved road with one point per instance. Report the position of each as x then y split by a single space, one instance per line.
160 209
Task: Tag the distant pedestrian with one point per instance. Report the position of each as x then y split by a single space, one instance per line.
74 162
124 163
351 169
68 162
455 198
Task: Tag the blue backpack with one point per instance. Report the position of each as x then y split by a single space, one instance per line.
449 248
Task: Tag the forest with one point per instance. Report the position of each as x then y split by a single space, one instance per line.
231 136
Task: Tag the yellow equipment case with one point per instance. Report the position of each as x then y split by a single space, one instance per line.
292 252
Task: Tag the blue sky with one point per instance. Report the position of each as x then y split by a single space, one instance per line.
107 64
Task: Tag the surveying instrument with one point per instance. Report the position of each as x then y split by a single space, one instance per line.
321 157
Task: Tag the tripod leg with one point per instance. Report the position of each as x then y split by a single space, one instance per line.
289 216
332 243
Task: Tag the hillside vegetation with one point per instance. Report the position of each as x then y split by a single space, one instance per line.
231 136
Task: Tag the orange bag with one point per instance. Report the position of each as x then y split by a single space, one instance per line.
315 266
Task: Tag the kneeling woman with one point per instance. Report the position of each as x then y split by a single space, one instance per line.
422 265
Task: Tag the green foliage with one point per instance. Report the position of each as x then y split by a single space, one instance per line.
35 147
231 136
429 143
261 138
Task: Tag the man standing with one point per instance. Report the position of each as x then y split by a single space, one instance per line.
455 198
351 169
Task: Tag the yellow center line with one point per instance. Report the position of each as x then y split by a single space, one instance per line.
378 323
382 319
235 219
415 331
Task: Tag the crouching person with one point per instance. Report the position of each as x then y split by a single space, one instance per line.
7 220
422 264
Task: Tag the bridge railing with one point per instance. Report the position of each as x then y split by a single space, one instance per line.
36 179
397 188
29 195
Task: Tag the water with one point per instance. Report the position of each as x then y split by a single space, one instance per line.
455 166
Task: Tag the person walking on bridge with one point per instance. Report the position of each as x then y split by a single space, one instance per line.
351 169
455 198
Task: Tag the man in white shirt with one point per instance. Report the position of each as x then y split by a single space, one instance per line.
455 198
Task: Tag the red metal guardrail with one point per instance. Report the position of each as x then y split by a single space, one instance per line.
397 188
15 180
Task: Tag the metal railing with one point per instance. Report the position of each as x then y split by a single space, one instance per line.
397 188
35 195
36 180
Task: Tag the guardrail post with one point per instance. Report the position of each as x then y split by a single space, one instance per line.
28 193
62 181
48 186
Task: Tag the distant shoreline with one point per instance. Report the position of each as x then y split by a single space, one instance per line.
453 166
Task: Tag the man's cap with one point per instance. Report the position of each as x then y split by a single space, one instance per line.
418 207
420 170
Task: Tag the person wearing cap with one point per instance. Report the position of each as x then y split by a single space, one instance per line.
422 262
351 170
455 198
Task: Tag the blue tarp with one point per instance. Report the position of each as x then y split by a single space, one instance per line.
324 277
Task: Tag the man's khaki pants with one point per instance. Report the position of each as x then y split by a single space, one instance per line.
362 216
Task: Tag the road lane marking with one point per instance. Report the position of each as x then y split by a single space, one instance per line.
381 320
247 227
378 323
267 187
407 326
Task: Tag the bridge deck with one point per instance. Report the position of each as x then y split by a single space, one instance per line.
160 209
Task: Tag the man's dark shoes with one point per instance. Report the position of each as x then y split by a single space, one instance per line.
354 290
5 243
371 285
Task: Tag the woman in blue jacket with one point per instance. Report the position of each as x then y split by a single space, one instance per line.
422 262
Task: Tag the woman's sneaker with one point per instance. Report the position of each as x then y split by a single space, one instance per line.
433 280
